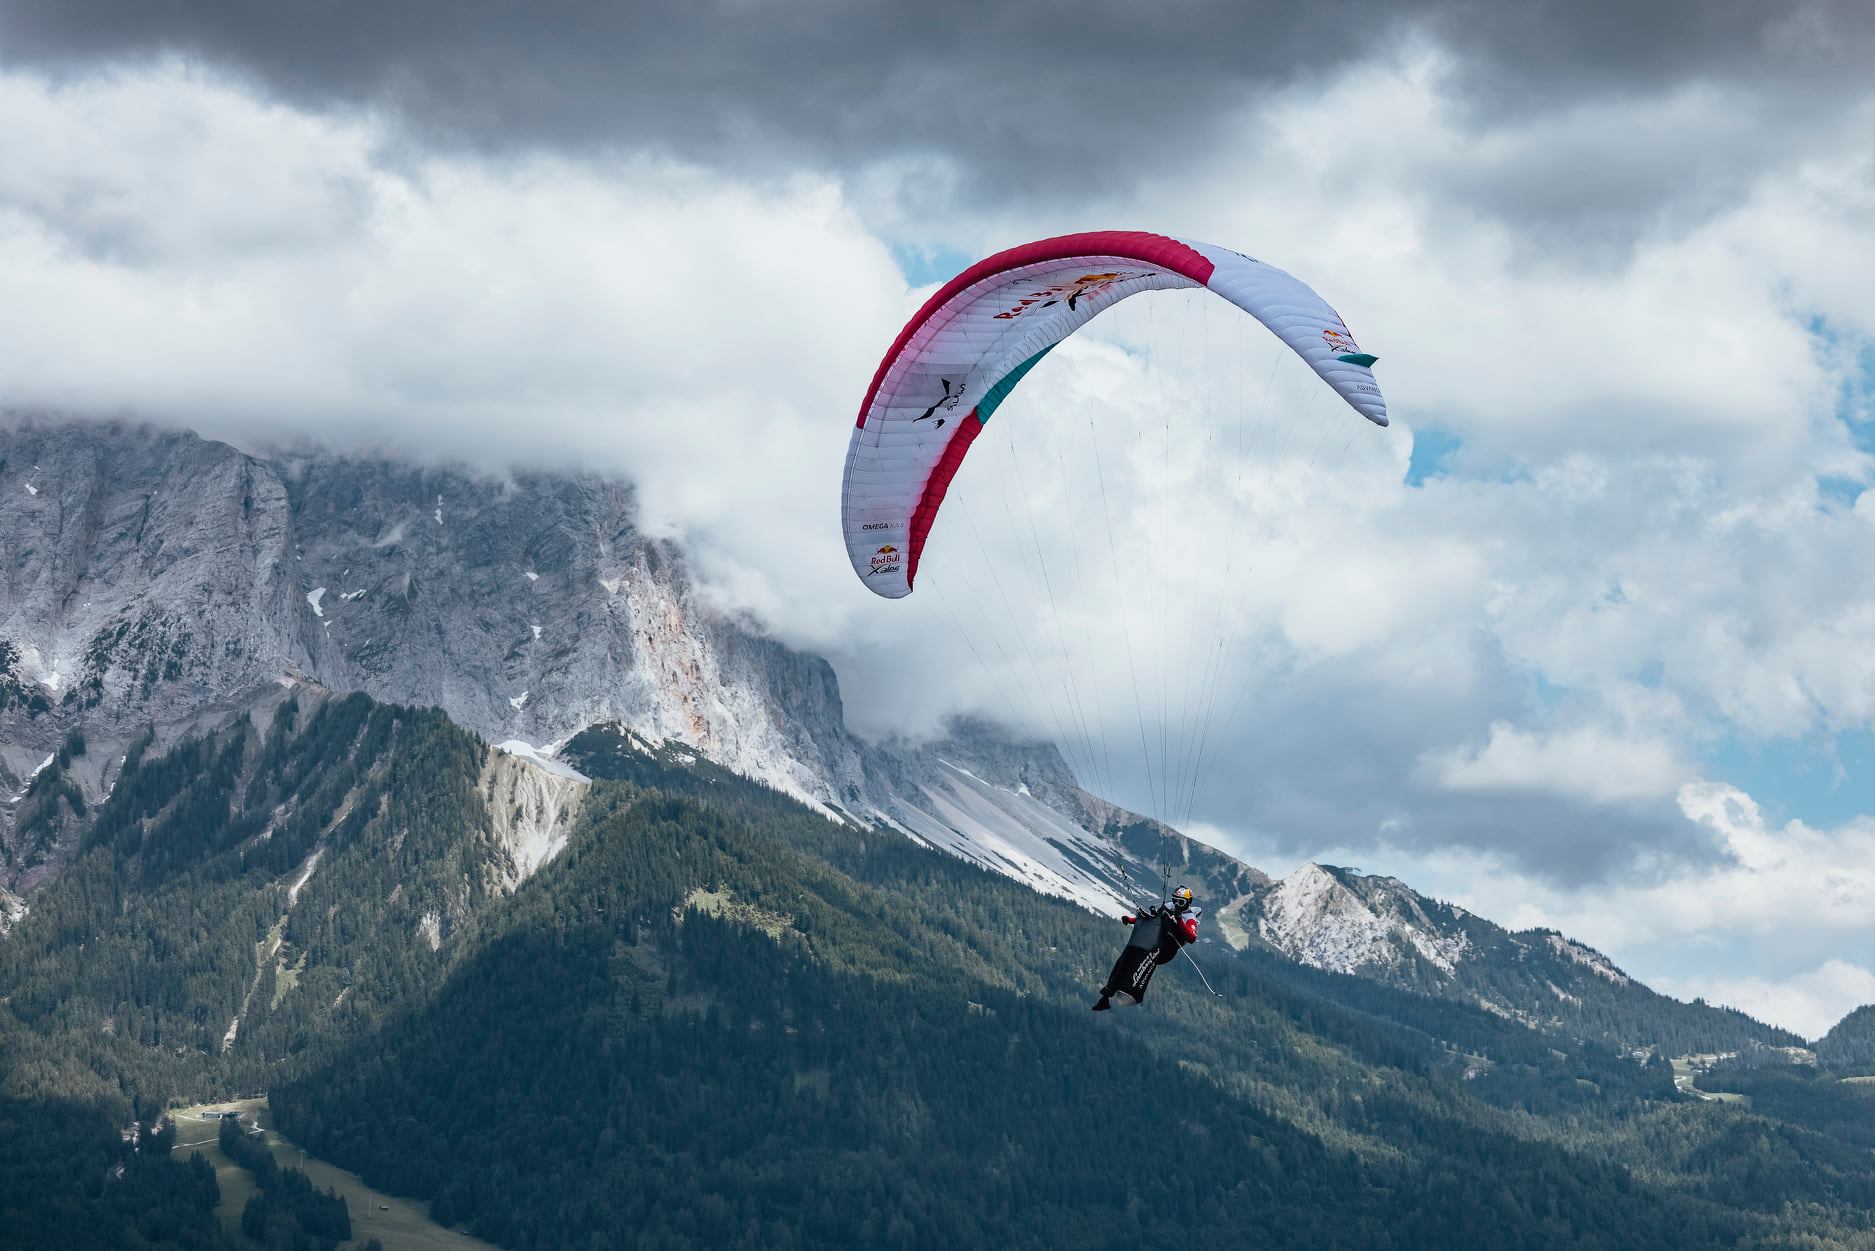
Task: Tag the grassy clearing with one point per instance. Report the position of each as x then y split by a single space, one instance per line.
195 1134
286 977
400 1224
1683 1075
1230 926
723 904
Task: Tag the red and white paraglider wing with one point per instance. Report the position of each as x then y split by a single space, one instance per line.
973 341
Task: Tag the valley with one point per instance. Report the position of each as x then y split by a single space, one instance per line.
399 1224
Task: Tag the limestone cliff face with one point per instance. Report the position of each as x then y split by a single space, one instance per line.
531 810
143 577
147 576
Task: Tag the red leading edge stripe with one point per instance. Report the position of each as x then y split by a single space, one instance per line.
934 488
1159 251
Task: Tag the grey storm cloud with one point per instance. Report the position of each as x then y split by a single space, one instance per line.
1331 761
1024 100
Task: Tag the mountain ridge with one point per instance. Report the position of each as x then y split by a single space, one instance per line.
158 585
711 1006
157 578
1373 926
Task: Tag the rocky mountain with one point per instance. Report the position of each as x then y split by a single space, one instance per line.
672 1007
157 579
656 963
150 575
156 585
1342 921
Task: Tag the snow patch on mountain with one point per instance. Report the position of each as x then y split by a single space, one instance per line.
957 768
312 600
36 667
1314 917
540 758
1013 834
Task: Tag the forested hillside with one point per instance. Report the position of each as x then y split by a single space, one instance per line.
1850 1046
245 897
73 1181
728 1022
719 1019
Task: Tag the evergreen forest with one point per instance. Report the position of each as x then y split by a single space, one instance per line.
718 1019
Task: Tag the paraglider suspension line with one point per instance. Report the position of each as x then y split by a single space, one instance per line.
1199 972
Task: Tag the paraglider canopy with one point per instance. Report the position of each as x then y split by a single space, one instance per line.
963 353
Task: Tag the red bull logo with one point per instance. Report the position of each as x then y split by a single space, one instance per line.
885 560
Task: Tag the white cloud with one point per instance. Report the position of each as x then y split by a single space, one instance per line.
1827 877
178 251
1597 765
1774 884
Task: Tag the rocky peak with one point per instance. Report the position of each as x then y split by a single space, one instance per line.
1336 919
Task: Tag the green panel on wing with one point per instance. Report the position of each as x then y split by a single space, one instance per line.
994 397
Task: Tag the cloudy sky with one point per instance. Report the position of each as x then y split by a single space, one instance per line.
1586 639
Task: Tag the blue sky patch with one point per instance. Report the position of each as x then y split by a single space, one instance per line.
923 265
1838 492
1856 404
1433 451
1823 780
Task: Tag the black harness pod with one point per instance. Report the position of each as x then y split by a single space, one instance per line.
1155 940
